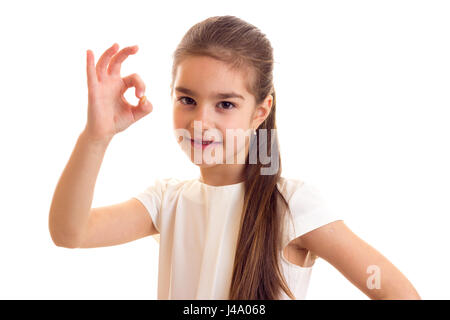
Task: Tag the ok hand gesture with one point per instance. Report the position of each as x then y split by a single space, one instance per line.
108 111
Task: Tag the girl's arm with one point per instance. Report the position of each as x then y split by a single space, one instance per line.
69 211
360 263
108 114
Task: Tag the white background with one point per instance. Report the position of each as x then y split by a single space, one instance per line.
362 111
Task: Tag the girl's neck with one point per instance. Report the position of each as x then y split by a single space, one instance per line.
222 175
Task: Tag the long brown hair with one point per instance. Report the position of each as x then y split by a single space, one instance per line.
256 272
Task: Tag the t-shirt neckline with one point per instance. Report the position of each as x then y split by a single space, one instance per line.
227 186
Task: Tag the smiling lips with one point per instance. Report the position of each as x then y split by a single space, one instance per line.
202 141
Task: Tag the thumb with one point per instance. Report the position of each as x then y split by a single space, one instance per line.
143 108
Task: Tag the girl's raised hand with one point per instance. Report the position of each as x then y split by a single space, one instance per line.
108 110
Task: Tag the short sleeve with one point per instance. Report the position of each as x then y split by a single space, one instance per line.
309 210
152 199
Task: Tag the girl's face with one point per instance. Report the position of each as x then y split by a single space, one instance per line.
211 102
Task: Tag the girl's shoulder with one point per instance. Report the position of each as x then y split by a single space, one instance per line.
288 186
298 191
164 185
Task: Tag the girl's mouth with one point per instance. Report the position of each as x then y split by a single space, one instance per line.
202 144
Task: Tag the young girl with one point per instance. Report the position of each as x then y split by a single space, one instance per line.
239 230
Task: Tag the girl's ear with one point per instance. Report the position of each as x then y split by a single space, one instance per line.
263 111
270 100
267 104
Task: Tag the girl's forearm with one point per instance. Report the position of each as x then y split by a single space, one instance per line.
72 199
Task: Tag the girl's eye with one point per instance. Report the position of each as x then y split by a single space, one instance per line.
228 105
180 99
231 106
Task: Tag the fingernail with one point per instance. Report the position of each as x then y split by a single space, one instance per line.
143 98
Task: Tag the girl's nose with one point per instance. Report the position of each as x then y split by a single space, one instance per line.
203 115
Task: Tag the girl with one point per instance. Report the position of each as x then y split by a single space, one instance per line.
239 230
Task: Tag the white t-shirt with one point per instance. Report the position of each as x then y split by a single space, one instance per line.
199 224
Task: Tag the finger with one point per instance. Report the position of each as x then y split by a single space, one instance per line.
116 61
90 69
143 108
135 80
104 60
